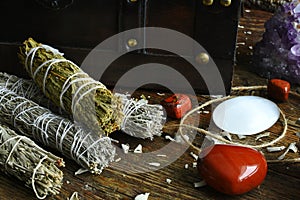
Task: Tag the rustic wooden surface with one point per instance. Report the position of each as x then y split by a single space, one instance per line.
282 181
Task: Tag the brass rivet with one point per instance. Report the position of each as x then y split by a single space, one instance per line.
207 2
132 42
202 58
225 2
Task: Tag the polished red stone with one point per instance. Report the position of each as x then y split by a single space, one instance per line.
177 105
278 89
232 169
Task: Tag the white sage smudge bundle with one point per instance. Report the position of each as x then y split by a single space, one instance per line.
28 89
88 149
86 99
22 158
141 119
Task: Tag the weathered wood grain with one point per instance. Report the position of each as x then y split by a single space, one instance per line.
282 181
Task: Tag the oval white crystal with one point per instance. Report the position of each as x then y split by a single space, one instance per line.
246 115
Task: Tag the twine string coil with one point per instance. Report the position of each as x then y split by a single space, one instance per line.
220 138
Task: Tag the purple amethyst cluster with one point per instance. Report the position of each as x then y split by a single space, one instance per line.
277 55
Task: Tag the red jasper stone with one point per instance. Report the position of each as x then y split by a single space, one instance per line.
278 89
232 169
177 105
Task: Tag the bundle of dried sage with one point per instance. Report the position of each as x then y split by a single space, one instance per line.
62 81
141 119
29 90
22 158
88 149
89 101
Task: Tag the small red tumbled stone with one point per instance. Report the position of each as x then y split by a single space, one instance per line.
278 89
232 169
177 105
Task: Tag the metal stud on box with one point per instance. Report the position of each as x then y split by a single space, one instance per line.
132 42
208 2
202 58
225 3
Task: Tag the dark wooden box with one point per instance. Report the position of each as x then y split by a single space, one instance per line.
75 27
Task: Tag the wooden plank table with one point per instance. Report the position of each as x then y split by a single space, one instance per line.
282 180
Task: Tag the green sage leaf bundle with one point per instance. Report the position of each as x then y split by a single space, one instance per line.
88 149
86 99
22 158
62 81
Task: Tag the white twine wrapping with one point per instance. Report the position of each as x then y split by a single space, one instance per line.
87 149
18 138
33 178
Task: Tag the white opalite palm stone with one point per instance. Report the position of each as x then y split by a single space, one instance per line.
246 115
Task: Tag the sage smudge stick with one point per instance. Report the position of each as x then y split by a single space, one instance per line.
88 149
60 80
28 89
141 119
22 158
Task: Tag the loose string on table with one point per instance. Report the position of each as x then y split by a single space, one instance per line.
220 138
